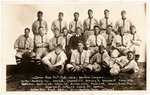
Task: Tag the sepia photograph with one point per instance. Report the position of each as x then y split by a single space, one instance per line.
80 46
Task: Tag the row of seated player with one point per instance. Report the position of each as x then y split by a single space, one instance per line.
114 53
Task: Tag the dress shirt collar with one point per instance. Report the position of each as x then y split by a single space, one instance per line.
124 18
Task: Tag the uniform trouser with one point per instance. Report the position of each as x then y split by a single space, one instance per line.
40 53
87 69
92 51
87 33
19 55
57 69
120 51
115 70
96 67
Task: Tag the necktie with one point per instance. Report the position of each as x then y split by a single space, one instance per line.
133 37
60 26
56 58
96 40
75 24
101 57
108 39
25 43
80 57
122 40
123 22
40 23
57 40
106 22
66 39
42 39
90 23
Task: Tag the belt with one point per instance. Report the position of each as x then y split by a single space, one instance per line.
119 65
21 48
103 29
42 47
94 46
89 29
79 64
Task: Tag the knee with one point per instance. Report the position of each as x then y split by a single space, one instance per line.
18 55
68 67
96 67
115 53
114 72
32 54
88 68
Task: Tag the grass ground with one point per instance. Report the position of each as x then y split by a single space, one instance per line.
138 80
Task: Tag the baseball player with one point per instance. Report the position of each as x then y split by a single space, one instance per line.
124 64
79 63
88 25
57 39
59 23
24 47
41 45
54 61
75 23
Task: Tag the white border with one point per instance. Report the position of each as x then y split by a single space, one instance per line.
3 71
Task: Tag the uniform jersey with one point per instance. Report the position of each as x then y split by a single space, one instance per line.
79 58
126 23
123 62
74 24
58 24
23 43
89 24
122 41
37 24
104 22
98 58
53 58
94 40
41 39
55 41
109 38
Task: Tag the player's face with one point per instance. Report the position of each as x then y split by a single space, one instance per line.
109 30
96 30
58 50
80 46
40 16
122 31
76 16
27 33
123 15
65 32
133 30
90 13
106 13
60 16
130 56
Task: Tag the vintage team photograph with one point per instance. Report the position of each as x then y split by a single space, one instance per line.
75 46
